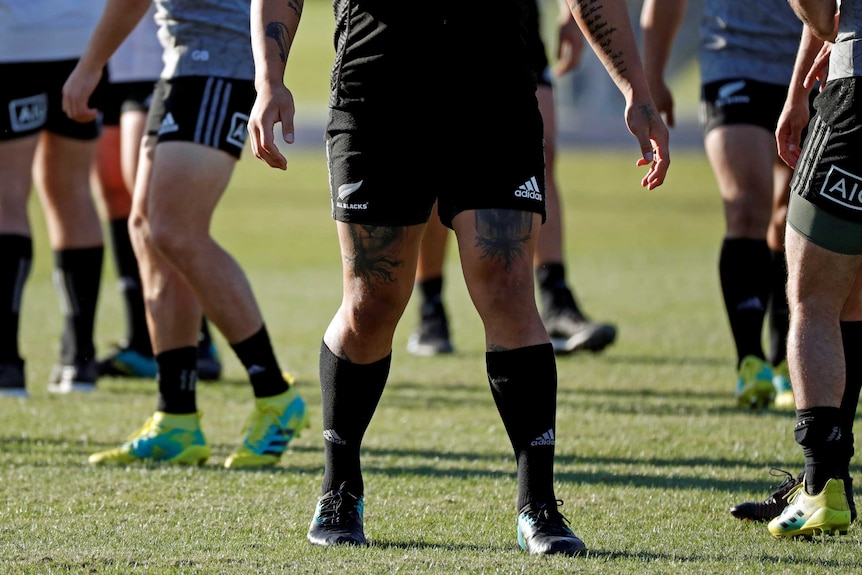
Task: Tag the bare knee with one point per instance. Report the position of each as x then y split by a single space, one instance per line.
173 242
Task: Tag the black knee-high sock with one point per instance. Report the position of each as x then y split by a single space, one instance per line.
350 393
851 334
137 332
431 289
16 258
205 338
744 272
77 277
178 379
258 358
779 311
818 431
524 385
554 293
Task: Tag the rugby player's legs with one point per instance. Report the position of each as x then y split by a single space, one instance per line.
378 268
496 247
183 268
16 157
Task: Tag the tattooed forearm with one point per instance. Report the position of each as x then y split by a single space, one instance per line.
372 259
296 6
280 33
600 33
502 234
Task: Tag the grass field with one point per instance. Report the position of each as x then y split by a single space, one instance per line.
651 450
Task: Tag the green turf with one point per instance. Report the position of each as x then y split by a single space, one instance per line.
651 450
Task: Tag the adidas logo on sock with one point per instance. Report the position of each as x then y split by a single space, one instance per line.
546 438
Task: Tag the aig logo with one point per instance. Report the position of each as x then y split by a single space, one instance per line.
28 113
238 130
843 188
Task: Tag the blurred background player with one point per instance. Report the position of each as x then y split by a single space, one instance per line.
570 329
132 73
40 43
196 130
746 61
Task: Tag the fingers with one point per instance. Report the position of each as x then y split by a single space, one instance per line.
263 145
787 141
655 154
272 106
670 119
789 154
659 161
652 136
76 96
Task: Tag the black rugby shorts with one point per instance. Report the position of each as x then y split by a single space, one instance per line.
202 109
31 97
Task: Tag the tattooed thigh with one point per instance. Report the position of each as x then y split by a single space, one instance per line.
503 235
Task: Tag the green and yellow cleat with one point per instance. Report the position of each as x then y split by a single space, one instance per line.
784 399
754 387
274 423
807 515
166 437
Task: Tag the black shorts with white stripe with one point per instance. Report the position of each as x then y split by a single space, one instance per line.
203 109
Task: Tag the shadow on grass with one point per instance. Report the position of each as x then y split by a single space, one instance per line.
697 560
42 453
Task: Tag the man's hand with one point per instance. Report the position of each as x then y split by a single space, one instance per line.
645 123
273 104
570 45
77 90
796 113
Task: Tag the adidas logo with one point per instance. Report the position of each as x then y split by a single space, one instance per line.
168 124
546 438
332 437
529 189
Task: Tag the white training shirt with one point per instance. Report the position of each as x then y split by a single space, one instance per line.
139 57
46 30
